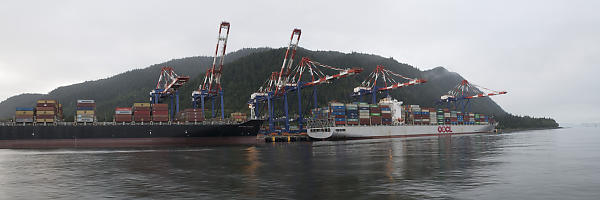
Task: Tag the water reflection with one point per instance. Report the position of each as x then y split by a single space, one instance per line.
417 168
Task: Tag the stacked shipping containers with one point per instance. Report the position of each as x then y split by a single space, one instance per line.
375 113
239 117
338 111
141 112
386 114
352 114
440 117
123 114
85 111
160 112
320 113
48 111
190 115
24 115
364 117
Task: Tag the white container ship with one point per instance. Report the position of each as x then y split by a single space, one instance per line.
403 123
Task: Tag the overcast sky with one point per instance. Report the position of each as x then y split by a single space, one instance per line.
544 53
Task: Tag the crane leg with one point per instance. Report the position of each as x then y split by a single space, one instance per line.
176 102
285 109
270 110
222 106
213 107
299 108
202 106
171 108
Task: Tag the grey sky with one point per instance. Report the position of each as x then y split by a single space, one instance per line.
544 53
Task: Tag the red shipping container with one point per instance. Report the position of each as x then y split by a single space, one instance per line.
340 122
141 118
160 105
122 118
141 108
122 109
160 112
352 122
44 116
46 105
364 121
141 112
86 105
45 108
160 119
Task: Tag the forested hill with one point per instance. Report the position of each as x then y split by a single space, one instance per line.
244 72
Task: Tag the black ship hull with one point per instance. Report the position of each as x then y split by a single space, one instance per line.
40 136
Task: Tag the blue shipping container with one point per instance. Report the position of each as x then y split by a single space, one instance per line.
340 119
25 109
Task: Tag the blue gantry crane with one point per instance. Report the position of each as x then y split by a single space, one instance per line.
168 87
211 87
382 80
307 73
462 94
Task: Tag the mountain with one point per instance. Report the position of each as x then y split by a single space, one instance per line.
120 90
7 107
244 72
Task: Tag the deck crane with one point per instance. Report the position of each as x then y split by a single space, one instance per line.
462 93
211 88
369 86
168 86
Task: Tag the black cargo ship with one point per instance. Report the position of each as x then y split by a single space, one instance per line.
127 135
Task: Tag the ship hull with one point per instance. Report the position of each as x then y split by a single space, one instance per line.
367 132
127 135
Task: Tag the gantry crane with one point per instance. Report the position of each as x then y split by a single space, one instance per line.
386 81
211 88
462 93
168 86
288 80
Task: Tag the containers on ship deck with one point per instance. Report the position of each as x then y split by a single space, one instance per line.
24 115
239 117
141 112
48 111
352 114
85 111
190 115
123 114
160 112
338 111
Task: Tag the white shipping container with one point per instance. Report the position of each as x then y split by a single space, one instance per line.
414 106
85 119
86 101
446 114
123 112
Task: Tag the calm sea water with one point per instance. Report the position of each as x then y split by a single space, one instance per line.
545 164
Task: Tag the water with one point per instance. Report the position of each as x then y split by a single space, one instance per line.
545 164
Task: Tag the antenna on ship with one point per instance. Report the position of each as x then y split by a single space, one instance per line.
211 88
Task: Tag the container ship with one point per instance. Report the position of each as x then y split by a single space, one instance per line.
389 119
143 124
